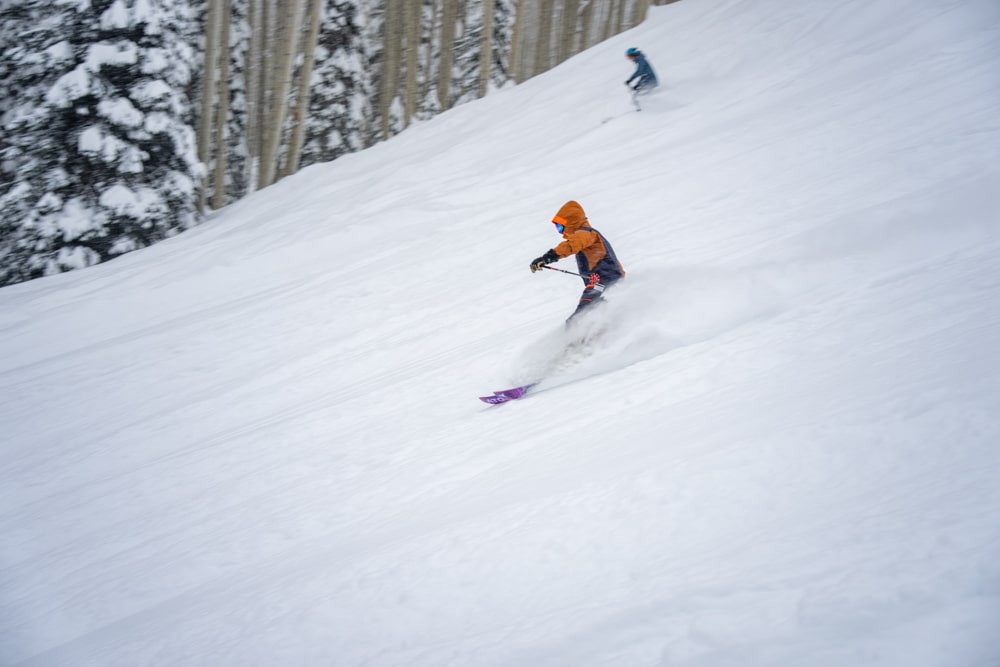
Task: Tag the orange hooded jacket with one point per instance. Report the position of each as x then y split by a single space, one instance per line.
593 252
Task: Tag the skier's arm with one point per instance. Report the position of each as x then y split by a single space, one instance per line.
575 243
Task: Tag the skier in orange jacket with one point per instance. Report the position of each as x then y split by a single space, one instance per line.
595 257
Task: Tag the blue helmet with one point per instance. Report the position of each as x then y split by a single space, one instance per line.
632 52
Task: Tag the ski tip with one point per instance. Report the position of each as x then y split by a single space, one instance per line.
505 395
495 399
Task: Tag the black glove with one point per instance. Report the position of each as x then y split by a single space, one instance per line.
547 258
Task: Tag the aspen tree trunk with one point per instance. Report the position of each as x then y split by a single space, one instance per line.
222 112
412 16
392 36
251 138
427 66
515 68
222 117
305 89
610 28
567 37
486 52
641 9
543 54
602 24
588 27
615 17
526 16
447 53
281 83
209 76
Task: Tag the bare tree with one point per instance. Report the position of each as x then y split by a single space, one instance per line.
280 85
587 21
543 45
391 55
567 36
412 17
209 77
517 44
219 179
427 66
612 26
621 22
641 9
305 88
254 104
486 52
448 12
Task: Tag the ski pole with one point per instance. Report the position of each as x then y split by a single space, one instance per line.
594 279
552 268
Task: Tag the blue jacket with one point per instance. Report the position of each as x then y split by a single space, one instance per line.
643 72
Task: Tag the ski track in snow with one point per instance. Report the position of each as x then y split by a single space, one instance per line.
259 443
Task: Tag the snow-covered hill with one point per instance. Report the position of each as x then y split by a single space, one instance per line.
259 443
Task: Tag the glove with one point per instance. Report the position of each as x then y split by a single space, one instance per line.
547 258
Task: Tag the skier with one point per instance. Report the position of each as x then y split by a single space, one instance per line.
643 72
595 257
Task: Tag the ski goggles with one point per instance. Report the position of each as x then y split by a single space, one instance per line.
560 224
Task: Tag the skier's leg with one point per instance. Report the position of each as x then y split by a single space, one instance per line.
591 296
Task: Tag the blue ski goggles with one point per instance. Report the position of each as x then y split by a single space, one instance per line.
559 227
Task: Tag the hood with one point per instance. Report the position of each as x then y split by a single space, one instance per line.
571 215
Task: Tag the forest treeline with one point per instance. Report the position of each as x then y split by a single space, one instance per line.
125 121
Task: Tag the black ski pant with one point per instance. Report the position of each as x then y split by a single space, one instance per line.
592 295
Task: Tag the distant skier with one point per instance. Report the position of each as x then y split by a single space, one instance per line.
595 257
644 77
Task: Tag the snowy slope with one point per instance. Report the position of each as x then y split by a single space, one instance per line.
259 443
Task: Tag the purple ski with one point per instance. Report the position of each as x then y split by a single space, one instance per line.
505 395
